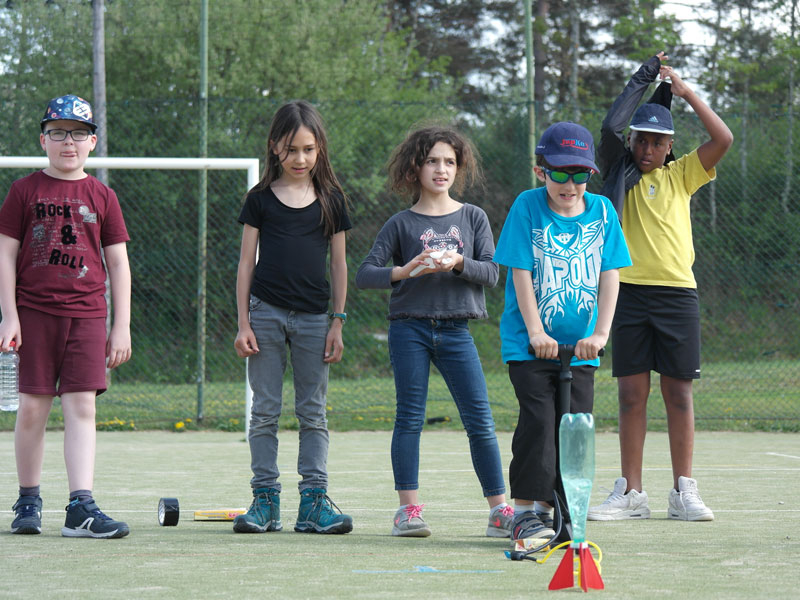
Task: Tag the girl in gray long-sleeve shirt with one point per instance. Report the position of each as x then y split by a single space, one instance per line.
441 253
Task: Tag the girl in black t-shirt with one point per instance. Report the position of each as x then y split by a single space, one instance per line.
291 217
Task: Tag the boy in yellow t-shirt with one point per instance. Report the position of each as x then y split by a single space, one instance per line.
657 321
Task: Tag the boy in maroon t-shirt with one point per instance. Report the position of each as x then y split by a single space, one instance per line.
53 225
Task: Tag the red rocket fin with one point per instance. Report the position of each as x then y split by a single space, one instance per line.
563 577
590 575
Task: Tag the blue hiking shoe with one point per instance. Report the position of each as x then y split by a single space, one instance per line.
317 515
263 515
85 519
28 511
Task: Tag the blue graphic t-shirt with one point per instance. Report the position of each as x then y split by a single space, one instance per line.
565 256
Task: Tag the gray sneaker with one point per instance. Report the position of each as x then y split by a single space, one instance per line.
527 525
408 522
500 520
685 504
263 515
621 505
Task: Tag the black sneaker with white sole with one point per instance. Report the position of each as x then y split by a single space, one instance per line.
85 519
27 515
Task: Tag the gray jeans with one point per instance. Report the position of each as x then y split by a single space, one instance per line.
276 328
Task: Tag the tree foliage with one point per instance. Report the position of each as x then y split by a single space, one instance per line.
377 67
256 49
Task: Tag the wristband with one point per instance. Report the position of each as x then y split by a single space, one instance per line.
342 316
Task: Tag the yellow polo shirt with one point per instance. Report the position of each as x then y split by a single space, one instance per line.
657 224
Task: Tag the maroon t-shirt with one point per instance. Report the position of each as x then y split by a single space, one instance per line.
61 225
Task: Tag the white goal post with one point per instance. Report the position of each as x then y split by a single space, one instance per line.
190 164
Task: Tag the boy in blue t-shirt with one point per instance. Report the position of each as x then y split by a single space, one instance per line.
563 247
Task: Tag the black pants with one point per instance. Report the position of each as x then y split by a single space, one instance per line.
534 471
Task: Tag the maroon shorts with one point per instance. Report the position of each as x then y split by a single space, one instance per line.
61 354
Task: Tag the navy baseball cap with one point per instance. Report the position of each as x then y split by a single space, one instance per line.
567 144
652 117
69 108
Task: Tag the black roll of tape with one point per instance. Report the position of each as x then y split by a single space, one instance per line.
168 512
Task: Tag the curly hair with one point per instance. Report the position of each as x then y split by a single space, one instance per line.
408 158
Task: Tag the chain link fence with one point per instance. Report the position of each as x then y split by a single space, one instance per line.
746 230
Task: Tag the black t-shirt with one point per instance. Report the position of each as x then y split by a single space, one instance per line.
293 251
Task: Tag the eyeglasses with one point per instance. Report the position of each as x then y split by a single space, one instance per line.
579 178
59 135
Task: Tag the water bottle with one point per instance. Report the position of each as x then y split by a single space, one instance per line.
9 379
576 446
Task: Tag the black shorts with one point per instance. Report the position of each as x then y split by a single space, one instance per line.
656 328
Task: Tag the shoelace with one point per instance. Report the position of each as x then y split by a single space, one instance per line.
507 511
612 495
414 511
95 512
100 515
691 497
26 510
258 506
323 502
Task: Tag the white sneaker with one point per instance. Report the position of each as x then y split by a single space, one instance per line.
619 505
686 504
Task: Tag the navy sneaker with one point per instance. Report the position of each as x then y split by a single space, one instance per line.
85 519
263 515
317 515
28 511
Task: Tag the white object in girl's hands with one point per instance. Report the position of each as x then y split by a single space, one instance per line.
429 262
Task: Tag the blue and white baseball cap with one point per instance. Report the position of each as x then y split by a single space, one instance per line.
69 108
653 117
567 144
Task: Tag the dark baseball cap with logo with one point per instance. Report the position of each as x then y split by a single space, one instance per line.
69 108
567 144
655 118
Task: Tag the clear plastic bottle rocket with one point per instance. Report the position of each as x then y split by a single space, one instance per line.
576 449
576 457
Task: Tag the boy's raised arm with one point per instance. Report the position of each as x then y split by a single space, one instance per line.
612 140
711 152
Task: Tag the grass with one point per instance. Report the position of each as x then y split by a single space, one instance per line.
772 402
751 481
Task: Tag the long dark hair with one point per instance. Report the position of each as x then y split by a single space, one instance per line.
408 158
287 120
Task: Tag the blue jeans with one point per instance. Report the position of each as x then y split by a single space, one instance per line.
276 328
413 345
